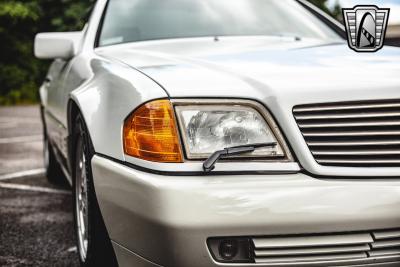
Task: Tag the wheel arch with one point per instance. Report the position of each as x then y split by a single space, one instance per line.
104 101
72 113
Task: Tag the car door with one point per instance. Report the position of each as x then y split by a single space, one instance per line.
59 83
52 98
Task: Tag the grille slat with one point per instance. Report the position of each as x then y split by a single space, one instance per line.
344 256
386 244
340 161
384 252
352 133
386 234
362 134
355 144
311 250
346 107
383 245
348 116
314 241
356 152
349 124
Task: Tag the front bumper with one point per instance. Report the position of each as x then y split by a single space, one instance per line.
166 220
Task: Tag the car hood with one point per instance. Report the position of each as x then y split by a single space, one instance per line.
260 67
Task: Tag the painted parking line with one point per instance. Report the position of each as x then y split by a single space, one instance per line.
72 249
21 139
34 188
22 174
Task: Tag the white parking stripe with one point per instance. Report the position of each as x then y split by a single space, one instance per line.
72 249
34 188
22 174
21 139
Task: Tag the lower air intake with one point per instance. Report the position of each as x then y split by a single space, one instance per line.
328 249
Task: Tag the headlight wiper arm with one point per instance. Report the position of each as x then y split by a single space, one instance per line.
209 164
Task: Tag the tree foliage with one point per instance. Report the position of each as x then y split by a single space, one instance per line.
20 72
335 12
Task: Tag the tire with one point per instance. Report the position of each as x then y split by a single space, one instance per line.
54 173
93 243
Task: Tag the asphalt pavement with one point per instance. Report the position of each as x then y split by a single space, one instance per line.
36 224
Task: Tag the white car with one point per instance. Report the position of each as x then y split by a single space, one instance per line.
224 133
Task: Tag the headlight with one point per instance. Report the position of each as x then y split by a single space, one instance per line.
151 131
206 128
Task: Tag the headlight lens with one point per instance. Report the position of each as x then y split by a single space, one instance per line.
207 128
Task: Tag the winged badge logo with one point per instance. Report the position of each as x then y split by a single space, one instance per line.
366 27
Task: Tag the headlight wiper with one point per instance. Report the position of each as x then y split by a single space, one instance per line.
209 164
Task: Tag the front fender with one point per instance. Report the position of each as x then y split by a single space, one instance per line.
107 98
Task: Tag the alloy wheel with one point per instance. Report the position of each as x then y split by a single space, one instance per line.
81 204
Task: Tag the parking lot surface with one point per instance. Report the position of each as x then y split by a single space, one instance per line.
36 224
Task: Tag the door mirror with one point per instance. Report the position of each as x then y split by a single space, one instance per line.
54 45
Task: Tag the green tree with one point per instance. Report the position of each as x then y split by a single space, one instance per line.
321 4
335 12
17 67
20 72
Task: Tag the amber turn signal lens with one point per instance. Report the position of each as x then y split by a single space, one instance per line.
150 133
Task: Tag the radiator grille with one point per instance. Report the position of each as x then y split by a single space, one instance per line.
382 246
362 134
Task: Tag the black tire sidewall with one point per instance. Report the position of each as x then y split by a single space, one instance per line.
99 250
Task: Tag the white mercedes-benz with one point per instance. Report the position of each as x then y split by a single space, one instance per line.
224 133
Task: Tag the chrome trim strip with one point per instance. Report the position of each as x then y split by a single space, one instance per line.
348 116
311 250
196 167
313 241
353 161
345 107
353 133
357 143
349 124
338 152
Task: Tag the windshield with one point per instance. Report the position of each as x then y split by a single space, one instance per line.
141 20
